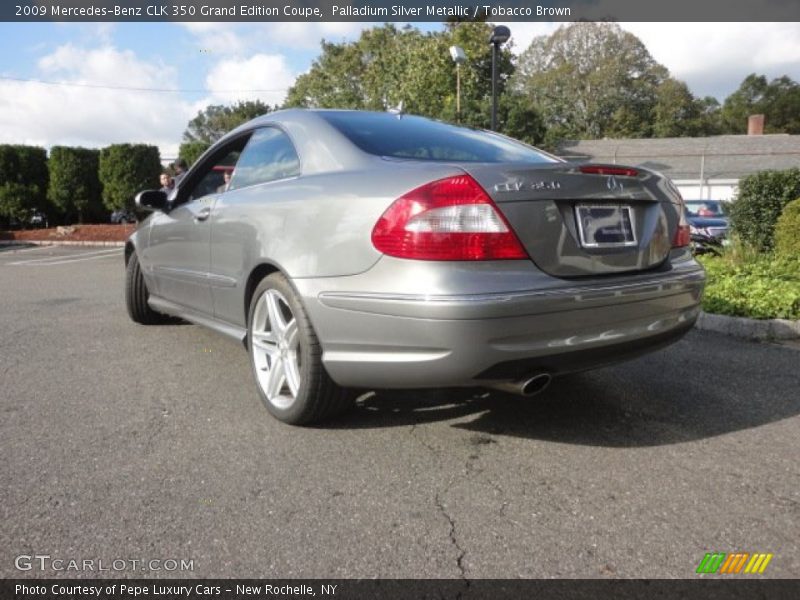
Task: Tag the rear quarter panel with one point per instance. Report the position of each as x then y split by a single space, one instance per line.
316 225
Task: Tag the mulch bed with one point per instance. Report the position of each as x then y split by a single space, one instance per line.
79 233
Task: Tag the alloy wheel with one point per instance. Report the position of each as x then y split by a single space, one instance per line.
275 349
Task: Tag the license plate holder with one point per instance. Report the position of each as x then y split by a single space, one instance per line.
605 225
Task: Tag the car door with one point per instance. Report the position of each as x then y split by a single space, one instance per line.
268 164
179 252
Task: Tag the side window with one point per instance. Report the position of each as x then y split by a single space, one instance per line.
213 175
269 155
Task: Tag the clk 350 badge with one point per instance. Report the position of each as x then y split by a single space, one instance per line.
517 186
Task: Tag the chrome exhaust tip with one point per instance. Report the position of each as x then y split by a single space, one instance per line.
525 387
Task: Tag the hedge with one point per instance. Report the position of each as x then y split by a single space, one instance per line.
191 151
23 180
74 182
758 204
787 231
761 287
127 169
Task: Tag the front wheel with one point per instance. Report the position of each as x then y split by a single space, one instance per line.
136 295
287 358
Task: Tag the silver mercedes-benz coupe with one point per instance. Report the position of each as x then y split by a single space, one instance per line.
356 250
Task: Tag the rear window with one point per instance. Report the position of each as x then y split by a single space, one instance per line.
417 138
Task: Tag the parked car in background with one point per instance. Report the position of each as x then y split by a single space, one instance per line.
360 250
123 216
708 225
35 219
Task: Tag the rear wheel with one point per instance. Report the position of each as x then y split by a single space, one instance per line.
287 358
136 295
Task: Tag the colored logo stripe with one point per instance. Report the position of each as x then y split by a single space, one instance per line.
758 563
723 563
734 562
711 562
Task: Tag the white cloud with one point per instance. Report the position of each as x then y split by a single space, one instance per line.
35 113
218 38
229 79
240 39
522 34
714 58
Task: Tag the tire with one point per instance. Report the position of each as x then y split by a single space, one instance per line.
286 357
136 295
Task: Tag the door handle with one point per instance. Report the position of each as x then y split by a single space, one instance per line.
203 214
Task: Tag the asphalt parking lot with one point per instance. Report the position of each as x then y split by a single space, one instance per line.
124 441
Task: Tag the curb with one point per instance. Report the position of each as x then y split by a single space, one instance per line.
750 329
56 243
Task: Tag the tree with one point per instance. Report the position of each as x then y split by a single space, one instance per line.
710 115
518 119
191 151
74 181
216 120
125 170
23 180
591 80
777 100
677 113
388 65
745 101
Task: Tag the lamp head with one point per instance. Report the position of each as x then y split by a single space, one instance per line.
500 35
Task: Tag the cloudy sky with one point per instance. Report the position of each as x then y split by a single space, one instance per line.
179 69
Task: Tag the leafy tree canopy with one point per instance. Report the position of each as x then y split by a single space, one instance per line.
216 120
388 65
591 80
677 113
778 100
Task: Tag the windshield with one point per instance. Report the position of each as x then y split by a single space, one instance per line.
387 134
704 208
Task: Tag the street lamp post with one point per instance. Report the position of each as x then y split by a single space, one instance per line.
500 35
459 56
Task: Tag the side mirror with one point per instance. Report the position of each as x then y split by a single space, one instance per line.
151 200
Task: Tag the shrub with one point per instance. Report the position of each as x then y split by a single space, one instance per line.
74 182
763 287
125 170
787 230
23 180
758 204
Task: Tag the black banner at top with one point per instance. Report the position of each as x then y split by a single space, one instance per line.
398 10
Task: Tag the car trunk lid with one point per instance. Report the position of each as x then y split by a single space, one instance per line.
574 223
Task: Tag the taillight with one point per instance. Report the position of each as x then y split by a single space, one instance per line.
448 219
683 235
606 170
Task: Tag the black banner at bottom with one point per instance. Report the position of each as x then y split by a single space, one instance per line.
357 589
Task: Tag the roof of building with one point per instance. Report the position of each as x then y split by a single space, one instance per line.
719 157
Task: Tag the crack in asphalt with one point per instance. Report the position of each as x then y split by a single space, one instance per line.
453 538
432 449
461 552
470 471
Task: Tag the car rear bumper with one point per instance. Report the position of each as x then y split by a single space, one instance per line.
414 339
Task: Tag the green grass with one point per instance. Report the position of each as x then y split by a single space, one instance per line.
743 284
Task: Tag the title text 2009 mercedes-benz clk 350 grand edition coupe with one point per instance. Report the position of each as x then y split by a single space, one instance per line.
358 250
